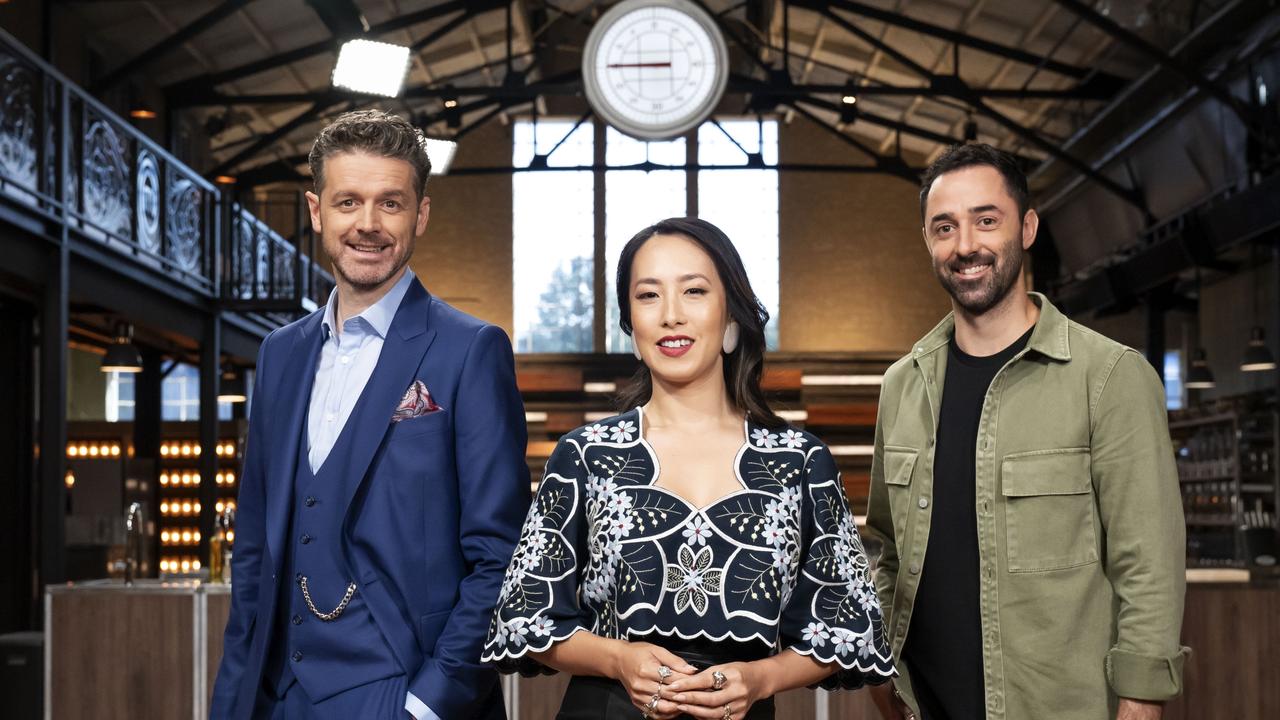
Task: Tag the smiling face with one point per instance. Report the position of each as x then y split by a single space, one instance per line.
367 216
679 309
976 237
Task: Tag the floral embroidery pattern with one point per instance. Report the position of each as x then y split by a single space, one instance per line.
697 530
622 431
778 561
594 433
693 579
764 438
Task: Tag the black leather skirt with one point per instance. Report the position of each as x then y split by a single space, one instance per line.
597 698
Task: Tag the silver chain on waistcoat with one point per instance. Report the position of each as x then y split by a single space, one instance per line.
336 612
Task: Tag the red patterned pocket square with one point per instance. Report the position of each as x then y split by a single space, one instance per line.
415 403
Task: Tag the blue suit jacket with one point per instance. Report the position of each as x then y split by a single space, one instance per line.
434 503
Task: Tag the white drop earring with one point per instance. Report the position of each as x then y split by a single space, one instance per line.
730 342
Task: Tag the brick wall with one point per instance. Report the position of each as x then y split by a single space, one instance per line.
855 275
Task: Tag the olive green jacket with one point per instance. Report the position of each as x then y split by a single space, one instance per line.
1080 528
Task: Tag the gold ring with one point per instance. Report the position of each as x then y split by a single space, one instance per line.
728 714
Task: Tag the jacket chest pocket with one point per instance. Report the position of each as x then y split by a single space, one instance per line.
899 464
1049 510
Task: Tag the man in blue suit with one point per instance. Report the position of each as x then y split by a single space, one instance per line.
385 480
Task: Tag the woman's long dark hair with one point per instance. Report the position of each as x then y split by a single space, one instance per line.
744 366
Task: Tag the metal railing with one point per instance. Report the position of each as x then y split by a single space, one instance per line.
70 164
266 272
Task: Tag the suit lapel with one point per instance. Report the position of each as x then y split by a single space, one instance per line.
402 351
294 393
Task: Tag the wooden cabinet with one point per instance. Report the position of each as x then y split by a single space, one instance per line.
121 653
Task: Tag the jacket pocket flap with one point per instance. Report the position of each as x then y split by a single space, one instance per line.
898 464
1046 472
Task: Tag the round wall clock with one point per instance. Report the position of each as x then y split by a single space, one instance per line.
655 69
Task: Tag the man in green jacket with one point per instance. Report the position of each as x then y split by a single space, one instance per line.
1023 485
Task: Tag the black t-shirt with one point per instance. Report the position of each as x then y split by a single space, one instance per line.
944 643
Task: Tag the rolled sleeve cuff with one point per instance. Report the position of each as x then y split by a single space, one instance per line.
418 709
1145 677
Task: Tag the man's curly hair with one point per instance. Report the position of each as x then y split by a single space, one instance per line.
376 133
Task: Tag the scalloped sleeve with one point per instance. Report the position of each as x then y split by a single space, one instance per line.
833 614
538 605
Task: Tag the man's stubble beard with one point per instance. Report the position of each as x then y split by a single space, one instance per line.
363 286
1006 268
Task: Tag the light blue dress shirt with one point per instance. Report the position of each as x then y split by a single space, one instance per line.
347 360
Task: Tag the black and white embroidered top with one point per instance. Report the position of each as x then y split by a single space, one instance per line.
778 561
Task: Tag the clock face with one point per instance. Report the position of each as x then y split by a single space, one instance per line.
654 69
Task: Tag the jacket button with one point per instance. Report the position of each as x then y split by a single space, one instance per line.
310 501
305 539
298 578
915 568
297 619
297 656
924 503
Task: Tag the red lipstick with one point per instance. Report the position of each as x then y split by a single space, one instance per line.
677 350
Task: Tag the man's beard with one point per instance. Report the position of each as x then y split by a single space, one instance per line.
364 279
978 298
368 283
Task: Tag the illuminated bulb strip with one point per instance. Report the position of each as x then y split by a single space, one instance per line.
535 417
597 416
599 387
93 450
794 415
223 448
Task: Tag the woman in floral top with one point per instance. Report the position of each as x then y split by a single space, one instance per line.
693 556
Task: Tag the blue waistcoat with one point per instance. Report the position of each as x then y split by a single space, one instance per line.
324 657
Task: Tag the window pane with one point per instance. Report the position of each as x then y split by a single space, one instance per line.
553 227
744 203
1173 379
120 397
180 394
635 200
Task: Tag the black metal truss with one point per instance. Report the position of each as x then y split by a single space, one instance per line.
342 17
772 91
956 87
1133 40
266 141
1195 239
284 169
737 83
155 52
956 38
891 124
209 81
890 165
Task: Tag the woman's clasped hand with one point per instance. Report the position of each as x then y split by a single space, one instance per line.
639 667
720 691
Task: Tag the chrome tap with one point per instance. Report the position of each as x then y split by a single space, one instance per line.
133 542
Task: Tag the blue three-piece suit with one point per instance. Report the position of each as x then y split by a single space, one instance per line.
413 514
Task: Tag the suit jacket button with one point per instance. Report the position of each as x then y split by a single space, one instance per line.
298 578
304 539
297 619
310 501
297 656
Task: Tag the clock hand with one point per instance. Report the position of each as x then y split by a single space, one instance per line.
639 65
